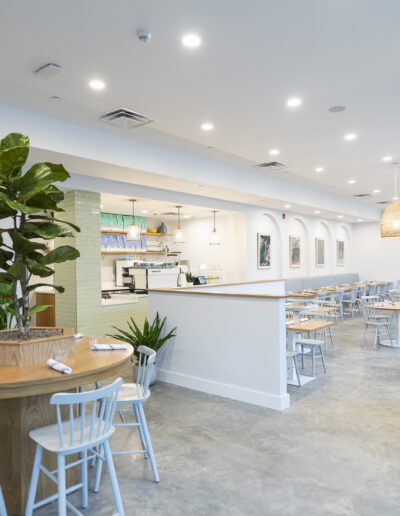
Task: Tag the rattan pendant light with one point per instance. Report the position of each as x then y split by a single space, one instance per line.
390 221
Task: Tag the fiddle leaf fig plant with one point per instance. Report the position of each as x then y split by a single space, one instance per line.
28 201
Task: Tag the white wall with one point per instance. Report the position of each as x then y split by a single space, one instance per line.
230 255
375 257
307 228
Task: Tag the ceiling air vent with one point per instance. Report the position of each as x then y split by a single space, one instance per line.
362 195
382 202
168 214
272 165
124 118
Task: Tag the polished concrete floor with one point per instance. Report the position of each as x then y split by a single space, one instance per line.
336 451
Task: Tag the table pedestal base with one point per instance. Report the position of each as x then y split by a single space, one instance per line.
394 344
18 417
304 379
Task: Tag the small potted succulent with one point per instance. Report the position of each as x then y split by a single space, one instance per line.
153 335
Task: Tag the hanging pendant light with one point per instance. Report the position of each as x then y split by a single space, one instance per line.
134 230
390 221
179 235
214 237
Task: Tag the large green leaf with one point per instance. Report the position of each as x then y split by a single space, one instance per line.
22 245
59 288
14 150
35 218
5 210
46 230
18 206
38 308
5 278
16 270
39 177
38 269
5 256
60 254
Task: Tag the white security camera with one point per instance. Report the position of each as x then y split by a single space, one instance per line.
143 35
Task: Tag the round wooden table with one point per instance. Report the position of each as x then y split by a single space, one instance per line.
25 394
389 306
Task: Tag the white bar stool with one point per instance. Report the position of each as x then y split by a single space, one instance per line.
76 435
3 511
134 395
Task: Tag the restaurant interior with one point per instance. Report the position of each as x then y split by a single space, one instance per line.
199 249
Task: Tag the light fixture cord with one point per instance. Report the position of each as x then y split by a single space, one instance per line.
214 220
395 182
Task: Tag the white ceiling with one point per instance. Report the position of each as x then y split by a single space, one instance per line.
254 56
158 209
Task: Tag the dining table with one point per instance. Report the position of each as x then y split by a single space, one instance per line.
25 393
389 306
306 326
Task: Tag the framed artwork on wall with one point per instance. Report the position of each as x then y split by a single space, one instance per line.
319 252
294 251
340 252
263 251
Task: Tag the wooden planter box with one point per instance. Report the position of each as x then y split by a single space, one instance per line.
36 351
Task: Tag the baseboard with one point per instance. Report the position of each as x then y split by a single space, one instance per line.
234 392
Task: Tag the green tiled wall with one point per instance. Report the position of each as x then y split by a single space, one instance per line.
80 306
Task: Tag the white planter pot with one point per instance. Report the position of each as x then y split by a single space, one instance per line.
153 378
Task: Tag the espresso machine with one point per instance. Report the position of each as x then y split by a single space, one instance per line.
128 278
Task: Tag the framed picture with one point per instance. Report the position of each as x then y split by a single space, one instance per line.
340 252
319 252
294 251
263 251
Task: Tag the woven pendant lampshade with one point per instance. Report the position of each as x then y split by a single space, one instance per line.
390 221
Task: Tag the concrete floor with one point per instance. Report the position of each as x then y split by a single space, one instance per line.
336 451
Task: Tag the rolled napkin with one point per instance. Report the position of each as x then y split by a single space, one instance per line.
108 347
59 366
289 323
303 319
78 336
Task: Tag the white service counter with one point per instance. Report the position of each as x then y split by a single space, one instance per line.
231 340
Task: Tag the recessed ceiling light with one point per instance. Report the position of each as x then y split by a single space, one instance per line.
377 190
191 40
287 206
387 158
350 137
340 216
274 152
294 102
319 169
207 126
186 216
97 84
359 220
101 205
317 212
144 211
352 181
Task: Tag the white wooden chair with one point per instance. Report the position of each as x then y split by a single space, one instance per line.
312 344
3 511
376 321
76 435
130 400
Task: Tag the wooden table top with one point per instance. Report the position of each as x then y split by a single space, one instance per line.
393 307
309 326
302 295
322 309
87 367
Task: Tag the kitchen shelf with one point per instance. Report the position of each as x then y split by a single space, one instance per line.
131 251
124 232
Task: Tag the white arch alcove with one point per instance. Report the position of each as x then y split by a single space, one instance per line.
276 247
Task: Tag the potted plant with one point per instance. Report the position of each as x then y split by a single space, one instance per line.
153 336
28 200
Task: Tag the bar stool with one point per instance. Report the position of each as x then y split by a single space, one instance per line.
3 511
134 395
76 435
312 344
293 355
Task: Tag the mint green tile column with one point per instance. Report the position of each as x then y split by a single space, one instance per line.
80 306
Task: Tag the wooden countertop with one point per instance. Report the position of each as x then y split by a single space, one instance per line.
87 367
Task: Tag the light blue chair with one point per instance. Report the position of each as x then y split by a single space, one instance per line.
89 431
3 511
131 398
